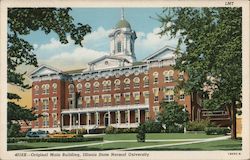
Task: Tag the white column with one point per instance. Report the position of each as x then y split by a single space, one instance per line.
62 121
97 118
128 117
119 117
109 118
74 120
87 119
79 120
139 116
70 121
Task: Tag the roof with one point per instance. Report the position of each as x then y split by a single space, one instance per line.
123 24
74 71
109 57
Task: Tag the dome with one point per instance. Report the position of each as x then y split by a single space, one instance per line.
123 24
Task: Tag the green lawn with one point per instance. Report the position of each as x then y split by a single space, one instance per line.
18 146
208 146
218 145
113 146
132 136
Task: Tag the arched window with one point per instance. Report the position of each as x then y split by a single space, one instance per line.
169 76
87 87
117 83
169 95
79 87
109 85
146 81
126 83
45 119
155 75
136 82
96 86
71 88
54 86
182 95
36 89
181 76
119 47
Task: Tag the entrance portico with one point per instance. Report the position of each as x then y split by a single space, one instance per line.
101 117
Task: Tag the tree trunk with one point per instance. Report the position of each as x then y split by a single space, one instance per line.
233 121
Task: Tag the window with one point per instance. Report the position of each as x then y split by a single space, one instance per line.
96 101
146 81
54 86
45 120
71 88
156 95
36 104
137 97
181 76
155 75
87 87
182 95
126 83
96 86
117 84
136 82
45 104
36 90
79 102
71 103
169 95
87 100
54 101
108 85
119 47
54 115
127 98
117 99
168 76
79 87
107 100
45 88
146 97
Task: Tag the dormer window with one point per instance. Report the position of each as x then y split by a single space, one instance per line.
119 47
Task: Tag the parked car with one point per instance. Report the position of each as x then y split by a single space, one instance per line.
37 134
62 135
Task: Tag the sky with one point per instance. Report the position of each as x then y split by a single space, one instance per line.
96 44
65 57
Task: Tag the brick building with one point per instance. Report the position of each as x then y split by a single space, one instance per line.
115 90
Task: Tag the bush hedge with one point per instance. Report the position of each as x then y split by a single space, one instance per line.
199 125
113 130
60 140
217 130
153 127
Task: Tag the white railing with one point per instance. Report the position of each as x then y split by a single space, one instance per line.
94 126
105 108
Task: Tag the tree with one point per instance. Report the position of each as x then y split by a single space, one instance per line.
141 135
172 116
23 21
212 37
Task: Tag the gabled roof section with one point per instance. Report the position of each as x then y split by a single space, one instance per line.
107 57
166 52
44 70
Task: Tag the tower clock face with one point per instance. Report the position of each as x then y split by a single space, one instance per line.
106 62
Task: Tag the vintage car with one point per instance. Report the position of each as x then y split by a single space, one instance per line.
62 135
37 134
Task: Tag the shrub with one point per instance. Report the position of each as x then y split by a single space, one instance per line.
217 130
61 140
175 129
110 130
199 125
153 127
141 133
